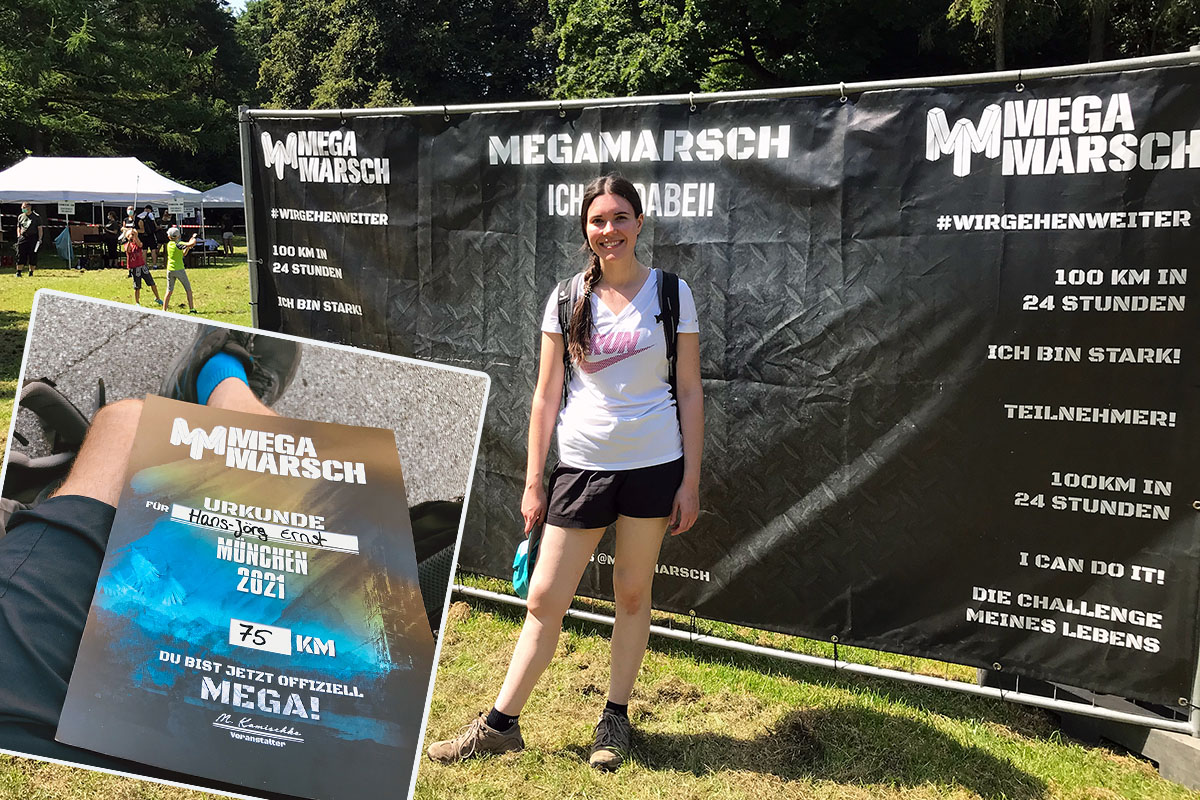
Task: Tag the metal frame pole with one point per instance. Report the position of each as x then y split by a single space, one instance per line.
1082 709
834 89
248 207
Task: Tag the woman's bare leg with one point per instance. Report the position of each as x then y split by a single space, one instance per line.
638 543
563 555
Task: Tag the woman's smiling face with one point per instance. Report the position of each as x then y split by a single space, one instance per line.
612 227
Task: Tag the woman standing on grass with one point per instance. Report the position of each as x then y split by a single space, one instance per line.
629 453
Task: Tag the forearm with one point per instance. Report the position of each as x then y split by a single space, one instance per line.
541 428
691 426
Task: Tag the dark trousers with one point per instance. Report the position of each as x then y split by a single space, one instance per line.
49 562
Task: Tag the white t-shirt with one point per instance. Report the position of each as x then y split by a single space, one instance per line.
620 413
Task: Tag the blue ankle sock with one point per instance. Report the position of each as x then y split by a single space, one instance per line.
215 370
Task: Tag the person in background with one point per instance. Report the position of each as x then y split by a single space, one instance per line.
29 237
165 222
129 223
135 256
112 230
147 229
175 269
227 234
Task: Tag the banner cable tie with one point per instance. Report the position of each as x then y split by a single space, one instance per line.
842 89
445 113
1020 83
562 112
691 101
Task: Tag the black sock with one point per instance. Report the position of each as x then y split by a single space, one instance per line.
616 708
500 722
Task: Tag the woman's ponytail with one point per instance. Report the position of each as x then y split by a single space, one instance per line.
579 333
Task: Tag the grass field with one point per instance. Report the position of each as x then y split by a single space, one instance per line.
711 724
715 724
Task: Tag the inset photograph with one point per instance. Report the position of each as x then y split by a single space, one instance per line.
225 554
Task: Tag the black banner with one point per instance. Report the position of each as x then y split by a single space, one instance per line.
946 341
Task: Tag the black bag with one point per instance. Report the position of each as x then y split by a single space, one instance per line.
149 226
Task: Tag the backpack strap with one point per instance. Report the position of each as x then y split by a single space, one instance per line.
668 305
566 303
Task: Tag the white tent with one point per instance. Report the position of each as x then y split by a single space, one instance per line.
115 181
231 195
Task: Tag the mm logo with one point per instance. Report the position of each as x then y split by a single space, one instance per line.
963 139
1068 135
279 154
323 157
197 439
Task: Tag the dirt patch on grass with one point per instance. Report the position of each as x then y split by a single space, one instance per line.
672 689
458 612
792 743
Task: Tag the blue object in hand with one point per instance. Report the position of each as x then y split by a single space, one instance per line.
523 563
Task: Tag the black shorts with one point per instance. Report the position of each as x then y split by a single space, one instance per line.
140 274
27 252
585 498
49 563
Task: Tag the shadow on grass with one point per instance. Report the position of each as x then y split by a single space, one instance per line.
844 745
1025 721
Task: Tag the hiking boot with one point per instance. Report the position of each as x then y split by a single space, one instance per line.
613 738
477 739
273 363
270 363
30 479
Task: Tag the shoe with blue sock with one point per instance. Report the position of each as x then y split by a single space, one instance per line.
264 363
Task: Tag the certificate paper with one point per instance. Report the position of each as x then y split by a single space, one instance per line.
257 619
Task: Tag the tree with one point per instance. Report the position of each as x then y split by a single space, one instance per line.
627 47
132 77
988 17
1027 33
374 53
